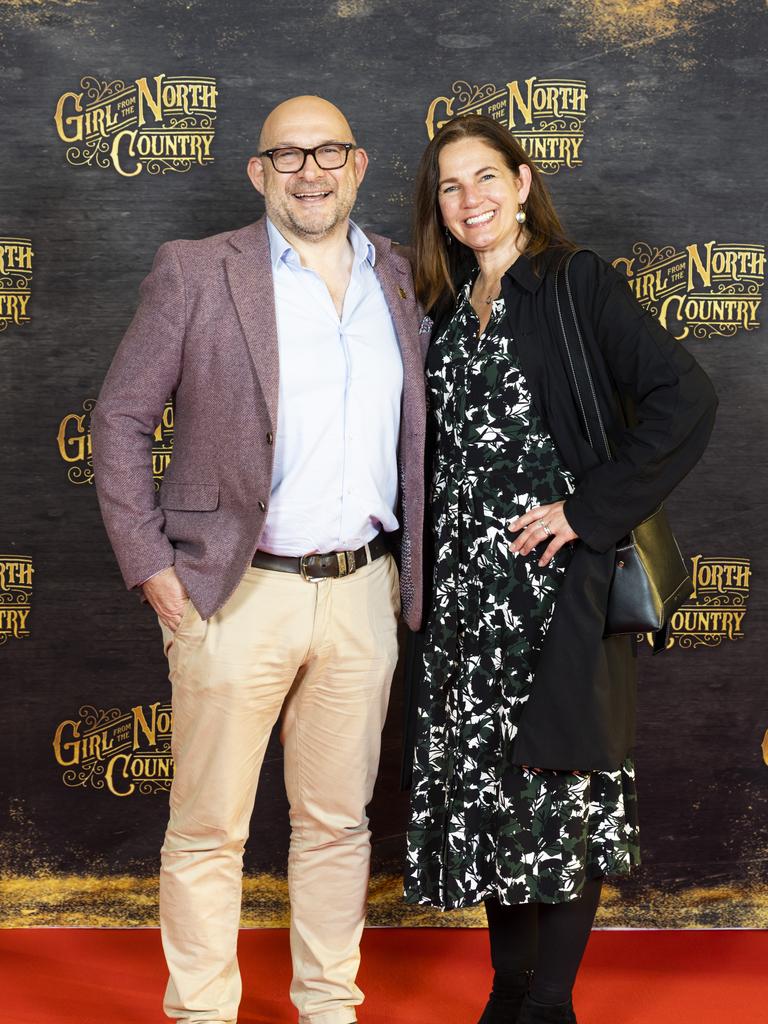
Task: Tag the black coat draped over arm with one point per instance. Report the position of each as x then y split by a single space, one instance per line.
662 390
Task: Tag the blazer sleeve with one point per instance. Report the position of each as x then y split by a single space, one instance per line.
144 373
674 404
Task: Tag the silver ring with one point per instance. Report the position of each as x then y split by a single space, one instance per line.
545 528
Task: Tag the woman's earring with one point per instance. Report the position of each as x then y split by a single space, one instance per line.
520 215
448 237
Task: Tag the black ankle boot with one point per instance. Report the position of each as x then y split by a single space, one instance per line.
546 1013
505 999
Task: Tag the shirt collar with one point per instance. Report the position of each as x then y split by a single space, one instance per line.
362 246
522 271
281 250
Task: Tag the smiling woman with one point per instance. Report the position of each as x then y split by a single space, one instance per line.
490 195
523 779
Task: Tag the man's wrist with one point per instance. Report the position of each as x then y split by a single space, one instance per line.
140 585
139 588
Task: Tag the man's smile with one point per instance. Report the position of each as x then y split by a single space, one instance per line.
311 197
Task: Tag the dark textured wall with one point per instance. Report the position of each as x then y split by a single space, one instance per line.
672 156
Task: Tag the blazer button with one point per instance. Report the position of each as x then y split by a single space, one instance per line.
262 506
270 438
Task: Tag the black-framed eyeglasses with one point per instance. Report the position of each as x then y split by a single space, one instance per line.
290 159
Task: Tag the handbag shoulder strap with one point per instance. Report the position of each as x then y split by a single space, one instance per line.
578 363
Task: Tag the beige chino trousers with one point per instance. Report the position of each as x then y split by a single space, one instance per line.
322 653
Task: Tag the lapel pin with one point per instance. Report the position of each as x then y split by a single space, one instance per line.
402 293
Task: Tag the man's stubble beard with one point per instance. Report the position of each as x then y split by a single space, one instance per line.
345 196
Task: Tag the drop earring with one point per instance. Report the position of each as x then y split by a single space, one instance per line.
520 215
448 237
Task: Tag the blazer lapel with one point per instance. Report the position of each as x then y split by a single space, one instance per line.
394 277
249 272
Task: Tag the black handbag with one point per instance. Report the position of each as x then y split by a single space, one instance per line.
650 577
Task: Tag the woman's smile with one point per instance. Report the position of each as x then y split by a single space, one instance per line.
480 218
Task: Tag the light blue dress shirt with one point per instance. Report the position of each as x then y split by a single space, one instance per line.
335 479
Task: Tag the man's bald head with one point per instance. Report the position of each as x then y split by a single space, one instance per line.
312 203
289 122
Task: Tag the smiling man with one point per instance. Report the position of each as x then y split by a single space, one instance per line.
292 350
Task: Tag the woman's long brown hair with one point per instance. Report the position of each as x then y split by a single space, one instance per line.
440 267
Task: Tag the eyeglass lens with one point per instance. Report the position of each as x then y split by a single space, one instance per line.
329 158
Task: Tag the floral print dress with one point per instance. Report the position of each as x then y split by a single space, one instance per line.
480 826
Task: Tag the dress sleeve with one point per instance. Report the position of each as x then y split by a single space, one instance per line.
673 399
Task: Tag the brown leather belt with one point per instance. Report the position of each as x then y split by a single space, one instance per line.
333 565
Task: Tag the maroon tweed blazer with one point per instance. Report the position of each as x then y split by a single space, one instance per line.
205 332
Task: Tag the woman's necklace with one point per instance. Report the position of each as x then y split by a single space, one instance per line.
492 294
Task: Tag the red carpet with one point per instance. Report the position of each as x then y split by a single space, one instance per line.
413 976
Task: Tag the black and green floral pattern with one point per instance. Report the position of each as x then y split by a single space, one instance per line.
480 826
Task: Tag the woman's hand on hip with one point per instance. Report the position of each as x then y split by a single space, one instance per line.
543 523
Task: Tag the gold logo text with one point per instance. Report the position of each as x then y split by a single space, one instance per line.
124 752
16 573
546 115
15 281
702 291
74 444
716 609
158 125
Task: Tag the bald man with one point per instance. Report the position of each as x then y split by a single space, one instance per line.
292 350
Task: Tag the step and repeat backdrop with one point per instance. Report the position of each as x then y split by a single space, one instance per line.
127 124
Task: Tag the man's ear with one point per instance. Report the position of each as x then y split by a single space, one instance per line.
256 173
361 164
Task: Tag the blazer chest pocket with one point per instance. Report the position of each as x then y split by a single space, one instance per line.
189 497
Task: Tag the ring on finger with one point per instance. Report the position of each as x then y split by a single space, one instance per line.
546 528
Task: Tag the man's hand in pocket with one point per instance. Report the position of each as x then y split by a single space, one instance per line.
166 593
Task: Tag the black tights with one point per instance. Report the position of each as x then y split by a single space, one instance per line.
546 938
